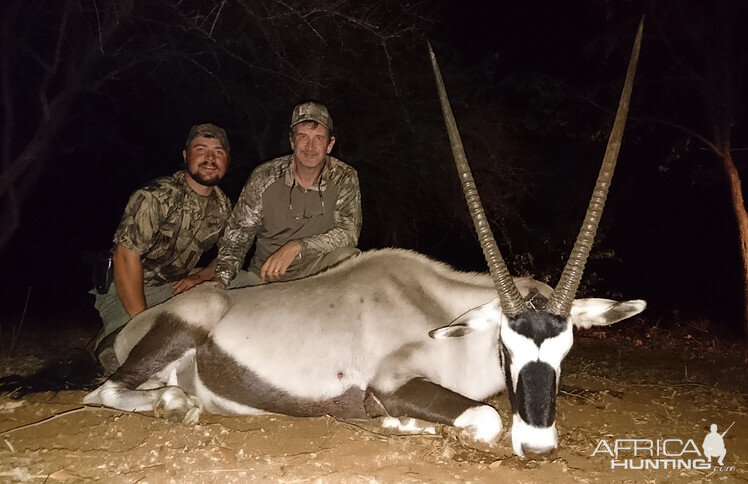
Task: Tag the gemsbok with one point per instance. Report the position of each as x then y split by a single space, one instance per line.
388 334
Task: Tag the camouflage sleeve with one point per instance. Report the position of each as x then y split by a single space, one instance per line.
242 227
346 220
140 221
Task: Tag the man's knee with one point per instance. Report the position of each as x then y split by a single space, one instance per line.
245 278
111 311
330 259
338 255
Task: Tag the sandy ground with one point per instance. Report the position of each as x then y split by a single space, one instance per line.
646 385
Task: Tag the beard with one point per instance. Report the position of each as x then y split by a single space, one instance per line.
207 181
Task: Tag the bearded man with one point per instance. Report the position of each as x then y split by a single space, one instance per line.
165 229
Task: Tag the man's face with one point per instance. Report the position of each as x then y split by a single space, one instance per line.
311 145
206 161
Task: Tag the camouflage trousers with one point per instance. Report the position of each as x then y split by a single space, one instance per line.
113 314
320 263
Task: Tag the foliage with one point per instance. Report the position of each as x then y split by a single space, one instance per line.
97 98
146 71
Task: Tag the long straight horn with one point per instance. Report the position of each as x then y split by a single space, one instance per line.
511 300
563 295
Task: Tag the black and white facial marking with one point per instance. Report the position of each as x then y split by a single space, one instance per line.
533 344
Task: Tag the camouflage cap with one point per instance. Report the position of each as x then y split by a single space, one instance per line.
209 131
311 111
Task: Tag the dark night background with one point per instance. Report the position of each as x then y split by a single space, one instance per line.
534 85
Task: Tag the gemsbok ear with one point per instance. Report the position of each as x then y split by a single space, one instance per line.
476 319
586 313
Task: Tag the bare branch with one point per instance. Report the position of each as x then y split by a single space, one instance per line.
33 54
158 53
683 65
304 19
98 26
683 129
42 93
218 14
688 131
8 111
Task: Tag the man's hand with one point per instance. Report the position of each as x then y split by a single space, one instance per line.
275 267
188 283
194 279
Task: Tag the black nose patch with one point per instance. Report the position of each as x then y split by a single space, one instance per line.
536 394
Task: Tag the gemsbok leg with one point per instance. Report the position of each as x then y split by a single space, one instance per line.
425 400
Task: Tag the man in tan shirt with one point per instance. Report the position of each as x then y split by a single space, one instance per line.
303 209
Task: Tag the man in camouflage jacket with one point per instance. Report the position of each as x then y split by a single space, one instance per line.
304 209
166 227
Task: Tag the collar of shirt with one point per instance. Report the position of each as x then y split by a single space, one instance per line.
288 177
181 178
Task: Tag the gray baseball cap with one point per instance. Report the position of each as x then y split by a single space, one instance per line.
311 111
209 131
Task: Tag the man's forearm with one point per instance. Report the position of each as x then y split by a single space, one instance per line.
232 249
128 278
330 240
226 268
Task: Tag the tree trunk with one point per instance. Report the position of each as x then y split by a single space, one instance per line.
65 76
18 179
741 217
